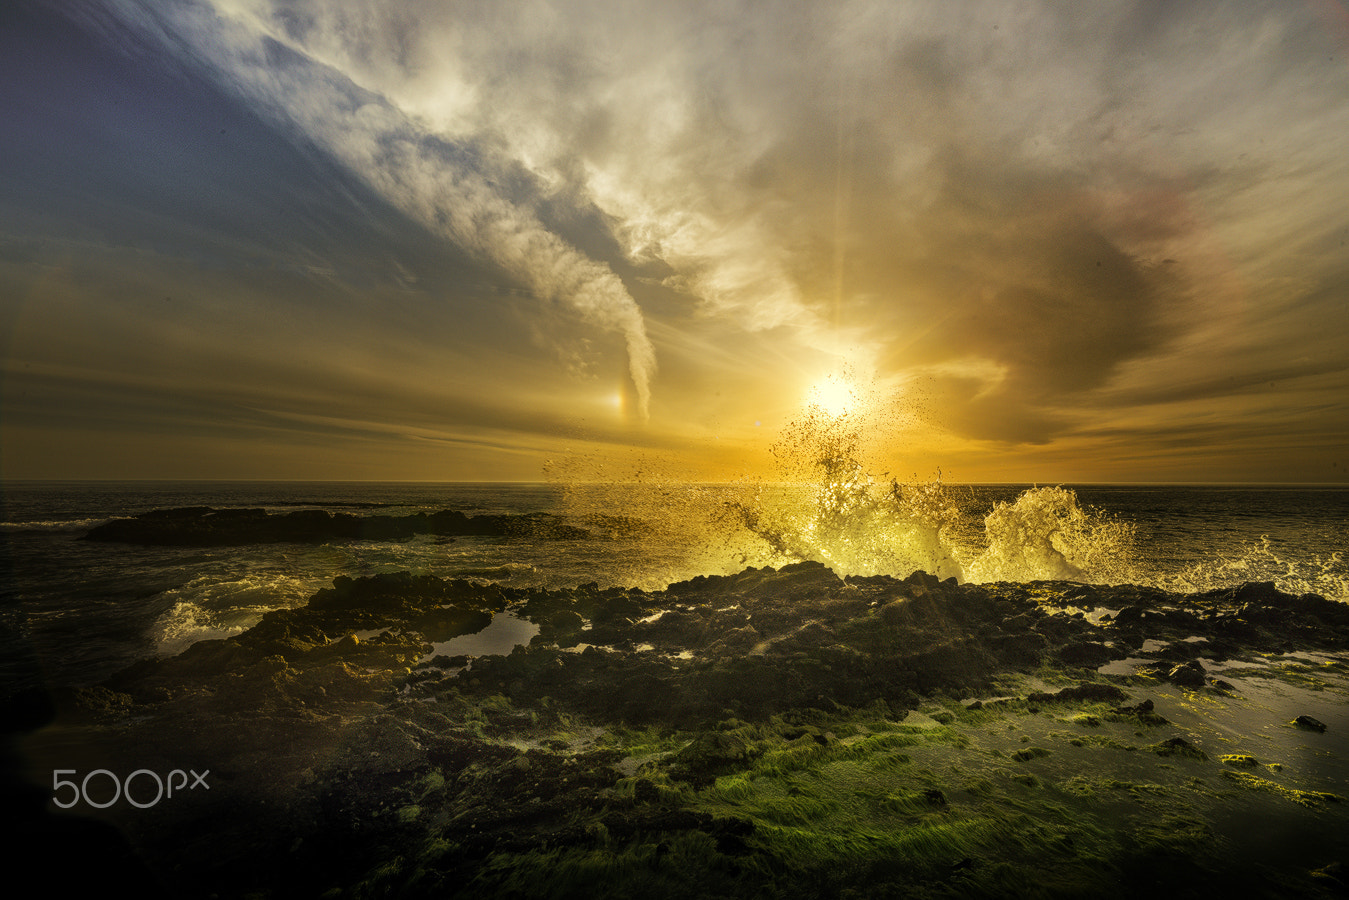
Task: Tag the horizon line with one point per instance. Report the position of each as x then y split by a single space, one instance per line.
1033 483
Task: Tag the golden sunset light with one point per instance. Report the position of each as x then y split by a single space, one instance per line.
230 225
834 394
712 448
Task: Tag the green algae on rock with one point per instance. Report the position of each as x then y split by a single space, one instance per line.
774 733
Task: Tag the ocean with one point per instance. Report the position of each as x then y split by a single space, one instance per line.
76 611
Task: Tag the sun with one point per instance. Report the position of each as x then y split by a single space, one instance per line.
833 394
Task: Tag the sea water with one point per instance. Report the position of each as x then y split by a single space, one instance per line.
75 611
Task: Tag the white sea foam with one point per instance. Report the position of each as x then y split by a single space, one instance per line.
1261 561
1046 534
860 524
208 607
51 525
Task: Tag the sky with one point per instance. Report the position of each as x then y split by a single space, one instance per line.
427 240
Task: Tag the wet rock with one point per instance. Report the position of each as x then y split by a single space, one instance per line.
810 732
1030 753
645 791
1089 691
340 681
1143 712
559 624
1334 876
798 581
1257 592
1191 674
1183 651
1025 649
710 754
1129 617
383 745
201 660
1178 746
101 703
619 608
1309 724
1087 654
923 580
735 641
200 526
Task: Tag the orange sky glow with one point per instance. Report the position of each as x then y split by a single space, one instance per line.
247 239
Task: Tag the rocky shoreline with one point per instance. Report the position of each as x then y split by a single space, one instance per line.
204 526
776 732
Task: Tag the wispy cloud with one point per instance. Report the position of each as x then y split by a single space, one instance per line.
458 188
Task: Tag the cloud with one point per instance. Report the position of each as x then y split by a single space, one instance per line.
459 189
1052 218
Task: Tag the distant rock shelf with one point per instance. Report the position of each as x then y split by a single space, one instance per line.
203 526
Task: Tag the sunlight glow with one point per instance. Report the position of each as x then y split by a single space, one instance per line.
834 394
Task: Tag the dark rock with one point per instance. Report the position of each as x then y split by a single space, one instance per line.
1257 592
811 732
1087 654
1025 649
645 791
1084 595
1309 723
922 579
1333 876
1090 691
201 526
730 834
1178 746
1191 674
710 754
1143 712
1129 617
735 641
1030 753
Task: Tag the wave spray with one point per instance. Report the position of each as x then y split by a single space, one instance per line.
832 508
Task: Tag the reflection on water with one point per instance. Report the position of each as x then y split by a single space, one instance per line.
503 635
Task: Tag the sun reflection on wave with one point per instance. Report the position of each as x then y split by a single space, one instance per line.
859 521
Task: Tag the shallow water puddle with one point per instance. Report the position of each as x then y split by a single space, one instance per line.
1128 666
505 632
